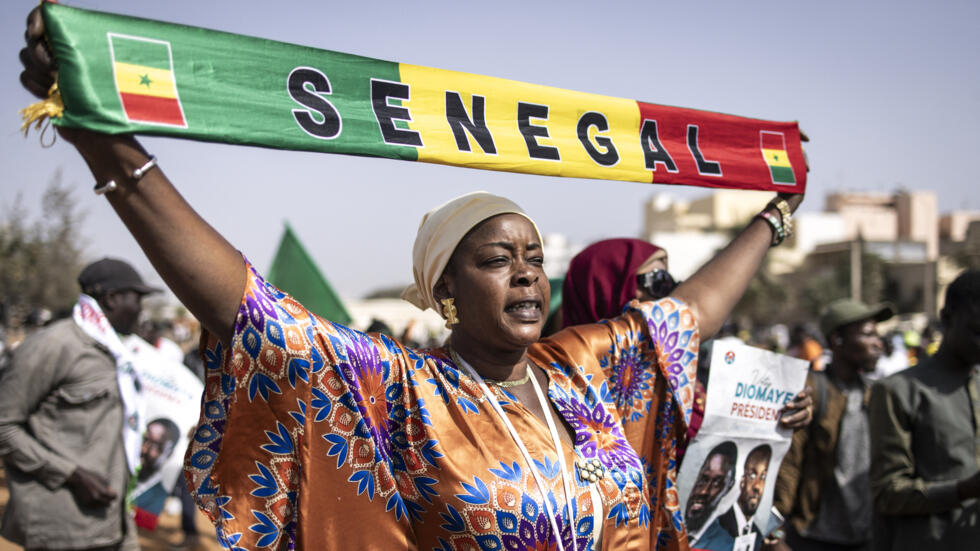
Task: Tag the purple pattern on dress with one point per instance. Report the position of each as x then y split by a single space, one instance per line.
597 433
629 378
531 535
242 320
364 373
676 362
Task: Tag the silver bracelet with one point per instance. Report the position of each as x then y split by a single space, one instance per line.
102 189
139 172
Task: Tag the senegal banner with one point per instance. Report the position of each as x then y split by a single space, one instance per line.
126 75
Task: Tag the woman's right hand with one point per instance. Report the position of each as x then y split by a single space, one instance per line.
40 70
202 269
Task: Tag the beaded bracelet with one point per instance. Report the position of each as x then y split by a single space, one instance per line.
784 214
777 229
102 189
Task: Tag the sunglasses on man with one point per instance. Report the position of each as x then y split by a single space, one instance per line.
657 283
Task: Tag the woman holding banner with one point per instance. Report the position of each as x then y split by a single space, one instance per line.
315 436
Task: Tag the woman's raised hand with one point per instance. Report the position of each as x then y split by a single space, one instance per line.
204 271
40 70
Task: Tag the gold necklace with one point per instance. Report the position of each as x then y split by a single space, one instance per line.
501 384
508 384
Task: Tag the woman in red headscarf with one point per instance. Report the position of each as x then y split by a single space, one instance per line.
603 278
608 274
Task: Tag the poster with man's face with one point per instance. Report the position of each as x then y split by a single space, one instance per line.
159 442
172 394
727 478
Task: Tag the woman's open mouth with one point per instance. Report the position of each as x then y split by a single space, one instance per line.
526 309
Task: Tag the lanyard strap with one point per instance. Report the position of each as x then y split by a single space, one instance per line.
546 408
552 517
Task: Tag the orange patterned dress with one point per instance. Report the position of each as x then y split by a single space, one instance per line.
315 436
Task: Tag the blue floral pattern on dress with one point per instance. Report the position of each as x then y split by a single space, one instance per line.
304 421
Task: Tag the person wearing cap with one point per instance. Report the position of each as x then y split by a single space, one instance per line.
71 421
925 437
822 489
316 436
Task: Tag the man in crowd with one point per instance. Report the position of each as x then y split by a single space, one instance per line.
715 478
823 489
925 437
735 528
70 422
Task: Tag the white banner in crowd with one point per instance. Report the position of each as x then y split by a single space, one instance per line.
727 479
173 399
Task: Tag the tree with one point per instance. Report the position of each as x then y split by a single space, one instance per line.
764 300
967 253
831 280
40 259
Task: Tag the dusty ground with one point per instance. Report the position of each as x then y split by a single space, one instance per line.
167 532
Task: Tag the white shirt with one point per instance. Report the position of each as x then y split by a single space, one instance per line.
744 524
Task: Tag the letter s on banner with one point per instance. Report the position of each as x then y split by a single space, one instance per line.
305 86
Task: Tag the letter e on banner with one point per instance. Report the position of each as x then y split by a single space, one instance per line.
386 113
531 132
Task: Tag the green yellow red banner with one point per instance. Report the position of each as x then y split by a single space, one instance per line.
120 74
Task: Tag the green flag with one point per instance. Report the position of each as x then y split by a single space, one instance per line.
295 272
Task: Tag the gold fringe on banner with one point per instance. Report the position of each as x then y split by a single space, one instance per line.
44 110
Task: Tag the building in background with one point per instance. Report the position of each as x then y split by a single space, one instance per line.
558 253
902 230
920 250
693 231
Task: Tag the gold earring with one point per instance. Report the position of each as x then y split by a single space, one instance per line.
449 311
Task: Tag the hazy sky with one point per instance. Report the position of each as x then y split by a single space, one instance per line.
889 93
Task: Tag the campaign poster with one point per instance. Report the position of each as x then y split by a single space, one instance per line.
172 394
728 476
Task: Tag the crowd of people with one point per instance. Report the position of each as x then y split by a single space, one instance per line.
839 469
501 437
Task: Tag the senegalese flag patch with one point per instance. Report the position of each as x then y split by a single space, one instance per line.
774 152
144 73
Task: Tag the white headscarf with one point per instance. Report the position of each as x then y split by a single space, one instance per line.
441 230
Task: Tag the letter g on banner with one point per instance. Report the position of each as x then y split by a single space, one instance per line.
320 119
597 120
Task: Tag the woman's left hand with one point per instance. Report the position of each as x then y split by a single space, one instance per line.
798 412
